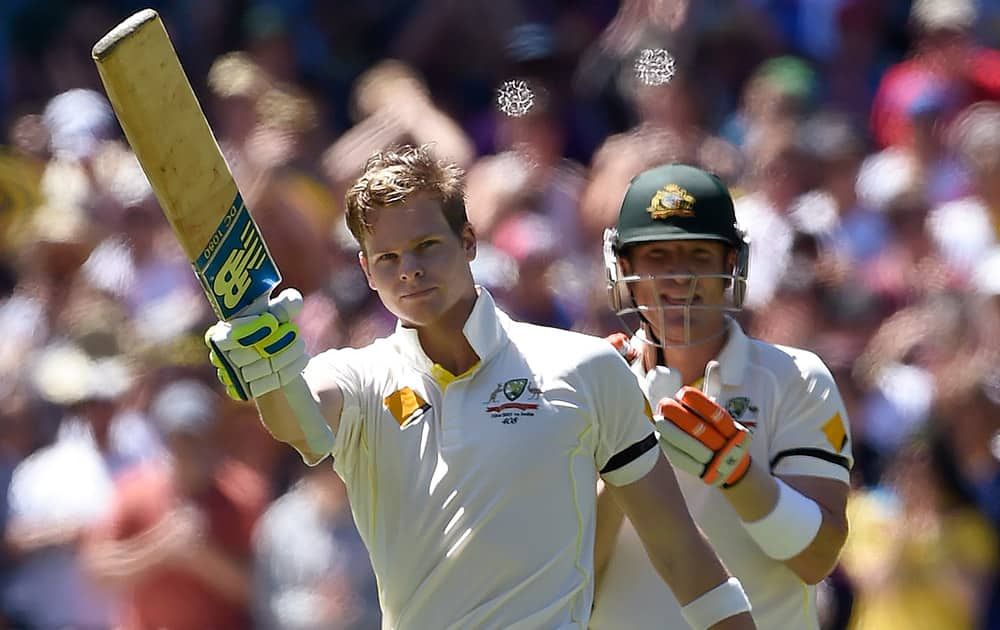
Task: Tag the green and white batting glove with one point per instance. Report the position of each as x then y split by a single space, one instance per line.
258 354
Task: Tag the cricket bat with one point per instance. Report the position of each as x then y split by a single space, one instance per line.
171 138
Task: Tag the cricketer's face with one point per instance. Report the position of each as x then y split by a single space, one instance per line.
681 287
418 266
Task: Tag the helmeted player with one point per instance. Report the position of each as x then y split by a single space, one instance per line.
757 432
470 444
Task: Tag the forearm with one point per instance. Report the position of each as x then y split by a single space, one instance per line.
285 422
609 521
676 547
688 564
756 496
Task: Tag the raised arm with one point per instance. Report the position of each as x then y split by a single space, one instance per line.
262 358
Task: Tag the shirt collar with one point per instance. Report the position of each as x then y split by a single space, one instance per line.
486 331
734 356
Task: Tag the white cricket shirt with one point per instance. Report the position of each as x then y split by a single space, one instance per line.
477 503
789 401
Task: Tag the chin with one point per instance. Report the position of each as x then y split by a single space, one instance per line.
422 315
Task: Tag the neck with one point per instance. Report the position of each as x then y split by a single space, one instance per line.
444 342
689 360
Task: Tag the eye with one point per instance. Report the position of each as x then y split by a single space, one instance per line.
386 257
426 244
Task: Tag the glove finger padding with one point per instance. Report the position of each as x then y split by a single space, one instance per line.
704 408
731 463
288 358
707 434
690 423
678 439
662 382
264 333
678 458
259 353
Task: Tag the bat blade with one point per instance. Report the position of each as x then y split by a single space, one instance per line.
168 131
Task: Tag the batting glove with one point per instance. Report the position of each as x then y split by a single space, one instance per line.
258 354
701 438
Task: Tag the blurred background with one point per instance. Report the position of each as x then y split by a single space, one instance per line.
860 137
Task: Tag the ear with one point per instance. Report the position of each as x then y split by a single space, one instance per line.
469 241
730 258
363 261
729 263
625 264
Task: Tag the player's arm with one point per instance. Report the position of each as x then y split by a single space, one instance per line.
262 358
609 523
643 484
680 552
285 425
794 517
756 498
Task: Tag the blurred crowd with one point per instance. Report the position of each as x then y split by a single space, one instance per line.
861 139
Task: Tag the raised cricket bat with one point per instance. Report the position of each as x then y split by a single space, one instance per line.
171 138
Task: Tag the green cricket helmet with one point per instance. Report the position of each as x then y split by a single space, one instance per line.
674 202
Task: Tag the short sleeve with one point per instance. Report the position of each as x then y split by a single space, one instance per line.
626 448
812 436
340 367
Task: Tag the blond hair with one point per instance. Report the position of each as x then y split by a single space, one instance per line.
399 174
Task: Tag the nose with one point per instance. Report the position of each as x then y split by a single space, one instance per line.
410 269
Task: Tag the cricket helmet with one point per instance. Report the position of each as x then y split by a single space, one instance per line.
674 202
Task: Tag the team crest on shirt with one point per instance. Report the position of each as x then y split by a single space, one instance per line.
741 406
519 394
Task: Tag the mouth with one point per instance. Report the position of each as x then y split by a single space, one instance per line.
678 301
418 294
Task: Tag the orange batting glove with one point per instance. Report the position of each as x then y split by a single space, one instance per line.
701 438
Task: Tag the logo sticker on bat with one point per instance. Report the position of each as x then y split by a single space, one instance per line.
235 267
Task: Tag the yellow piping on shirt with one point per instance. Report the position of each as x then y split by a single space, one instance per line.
579 514
805 601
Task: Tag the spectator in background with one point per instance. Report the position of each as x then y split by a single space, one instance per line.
176 544
964 229
392 105
910 228
311 568
61 490
534 244
946 58
847 228
918 551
